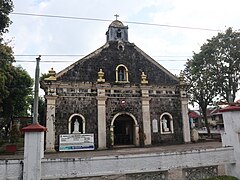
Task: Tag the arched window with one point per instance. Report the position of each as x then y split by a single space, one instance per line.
119 33
76 124
166 123
121 74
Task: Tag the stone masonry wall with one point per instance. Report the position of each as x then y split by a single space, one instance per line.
131 105
86 69
66 106
160 105
87 107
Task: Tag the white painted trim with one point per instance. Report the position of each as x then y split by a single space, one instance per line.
135 126
126 71
123 113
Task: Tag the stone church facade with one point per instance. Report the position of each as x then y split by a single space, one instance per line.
119 94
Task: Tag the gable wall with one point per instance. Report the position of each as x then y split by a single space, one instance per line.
109 58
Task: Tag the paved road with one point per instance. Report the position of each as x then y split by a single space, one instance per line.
124 151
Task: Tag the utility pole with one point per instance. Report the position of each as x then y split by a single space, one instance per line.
36 92
34 139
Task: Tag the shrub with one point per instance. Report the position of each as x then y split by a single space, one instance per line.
222 178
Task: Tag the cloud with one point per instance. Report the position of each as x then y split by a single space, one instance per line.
41 35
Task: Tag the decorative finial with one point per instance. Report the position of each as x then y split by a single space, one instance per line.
144 78
116 15
181 78
183 83
52 75
100 76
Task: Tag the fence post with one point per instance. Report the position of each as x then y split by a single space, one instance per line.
33 151
231 137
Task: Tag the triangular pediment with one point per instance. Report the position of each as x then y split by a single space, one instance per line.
108 57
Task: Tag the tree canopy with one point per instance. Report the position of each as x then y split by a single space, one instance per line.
6 53
226 56
213 73
15 82
6 7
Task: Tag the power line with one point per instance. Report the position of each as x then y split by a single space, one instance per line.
81 55
172 56
44 61
53 55
107 20
63 61
72 55
49 61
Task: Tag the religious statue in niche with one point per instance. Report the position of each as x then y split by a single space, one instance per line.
76 126
121 74
165 124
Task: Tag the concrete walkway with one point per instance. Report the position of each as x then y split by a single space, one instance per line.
124 151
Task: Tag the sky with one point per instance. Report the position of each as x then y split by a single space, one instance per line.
169 46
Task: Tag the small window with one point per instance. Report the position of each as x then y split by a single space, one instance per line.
121 74
119 33
120 46
166 123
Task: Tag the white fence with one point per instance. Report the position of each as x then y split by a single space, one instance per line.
123 164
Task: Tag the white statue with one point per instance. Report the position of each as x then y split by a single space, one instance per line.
76 126
164 121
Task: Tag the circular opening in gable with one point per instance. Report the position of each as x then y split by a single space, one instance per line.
120 48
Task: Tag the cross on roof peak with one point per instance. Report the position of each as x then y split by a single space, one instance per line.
116 15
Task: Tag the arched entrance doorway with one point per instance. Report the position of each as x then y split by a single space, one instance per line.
76 119
124 129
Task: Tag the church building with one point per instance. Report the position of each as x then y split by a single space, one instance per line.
119 94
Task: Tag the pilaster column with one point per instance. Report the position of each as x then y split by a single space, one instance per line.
111 136
50 123
101 105
136 135
146 117
185 119
183 85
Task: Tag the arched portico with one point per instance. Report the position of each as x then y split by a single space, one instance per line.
81 120
124 129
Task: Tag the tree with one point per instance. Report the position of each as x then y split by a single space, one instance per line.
6 7
16 102
41 109
6 53
202 87
6 59
214 71
227 63
15 82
